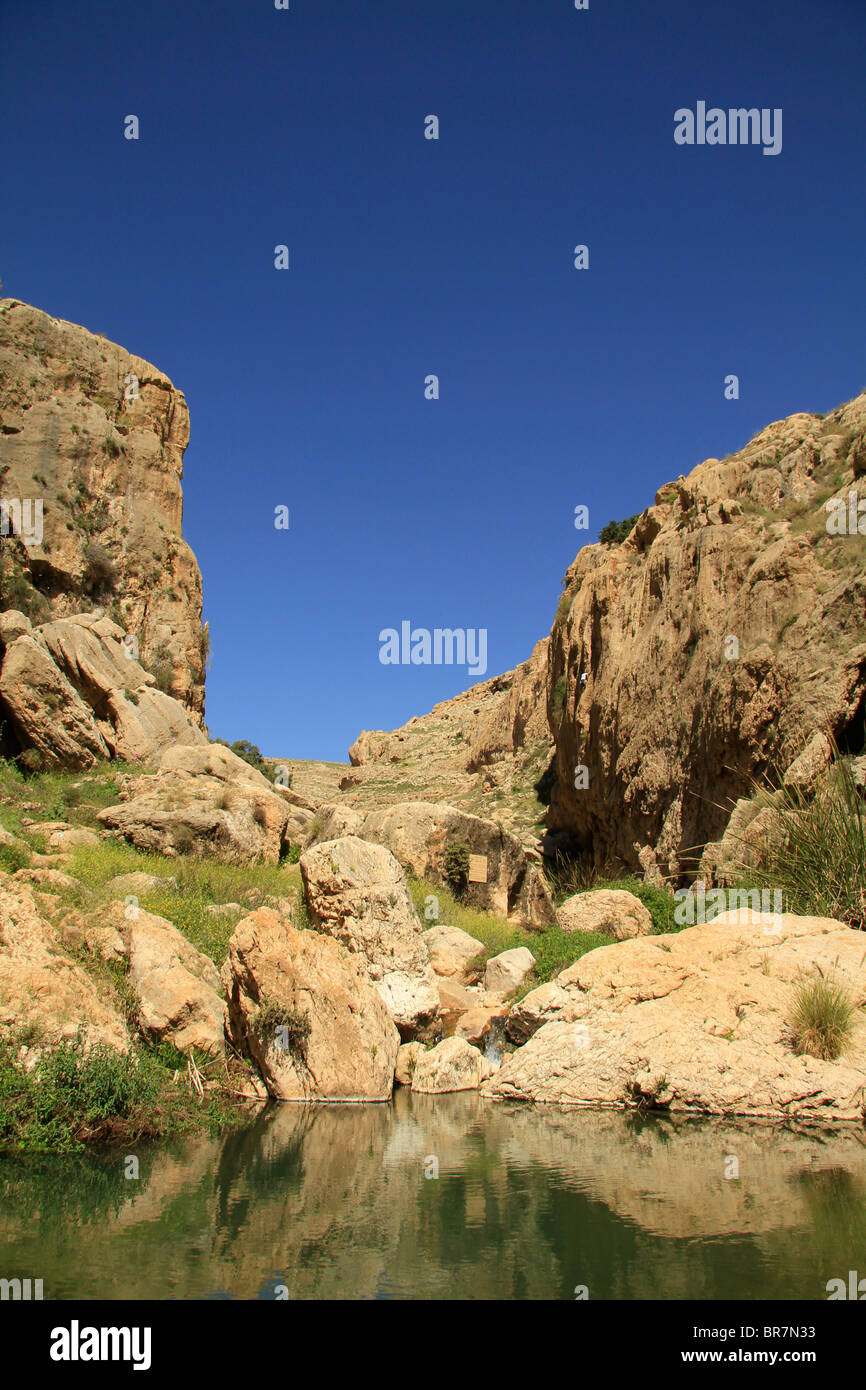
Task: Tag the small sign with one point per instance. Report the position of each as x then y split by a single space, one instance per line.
478 868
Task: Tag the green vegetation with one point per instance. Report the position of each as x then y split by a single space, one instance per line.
293 1024
74 1096
553 948
161 667
821 1018
616 531
455 867
817 855
101 570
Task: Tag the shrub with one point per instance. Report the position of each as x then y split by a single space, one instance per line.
162 669
295 1022
616 531
101 570
455 867
821 1018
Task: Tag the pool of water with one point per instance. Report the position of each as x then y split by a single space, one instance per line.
446 1197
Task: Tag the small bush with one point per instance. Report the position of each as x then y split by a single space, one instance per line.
250 753
616 531
821 1018
455 868
101 572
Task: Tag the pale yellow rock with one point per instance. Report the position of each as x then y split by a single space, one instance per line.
358 893
42 990
451 1065
407 1058
177 987
350 1049
698 1021
451 950
508 970
611 911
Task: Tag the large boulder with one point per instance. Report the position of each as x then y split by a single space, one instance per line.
303 1008
451 950
43 991
178 989
420 833
206 800
72 692
357 893
610 911
452 1065
696 1021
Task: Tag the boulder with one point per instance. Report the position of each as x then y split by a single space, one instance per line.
475 1025
74 694
302 1007
138 884
407 1058
451 950
177 987
42 990
420 833
204 800
357 893
697 1021
507 971
535 1009
452 1065
611 911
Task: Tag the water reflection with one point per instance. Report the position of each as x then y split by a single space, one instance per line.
529 1202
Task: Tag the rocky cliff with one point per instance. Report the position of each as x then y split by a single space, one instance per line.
709 647
92 440
705 650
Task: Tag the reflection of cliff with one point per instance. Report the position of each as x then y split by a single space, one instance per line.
333 1202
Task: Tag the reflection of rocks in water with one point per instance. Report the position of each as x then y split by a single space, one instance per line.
668 1175
340 1201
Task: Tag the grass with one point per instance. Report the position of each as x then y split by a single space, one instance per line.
822 1018
818 855
201 884
552 948
73 1097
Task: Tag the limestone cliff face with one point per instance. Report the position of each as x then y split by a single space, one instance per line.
98 435
709 646
705 651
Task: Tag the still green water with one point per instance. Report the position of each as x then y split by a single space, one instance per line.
530 1202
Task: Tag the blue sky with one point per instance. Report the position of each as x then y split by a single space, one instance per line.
409 257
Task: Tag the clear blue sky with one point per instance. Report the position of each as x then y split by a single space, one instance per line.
409 257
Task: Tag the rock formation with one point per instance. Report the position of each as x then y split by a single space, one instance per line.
73 694
694 1021
357 893
96 437
420 835
722 638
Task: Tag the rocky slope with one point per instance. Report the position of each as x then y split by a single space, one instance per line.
706 650
484 752
98 436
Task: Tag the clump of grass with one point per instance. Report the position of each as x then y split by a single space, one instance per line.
817 855
822 1018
